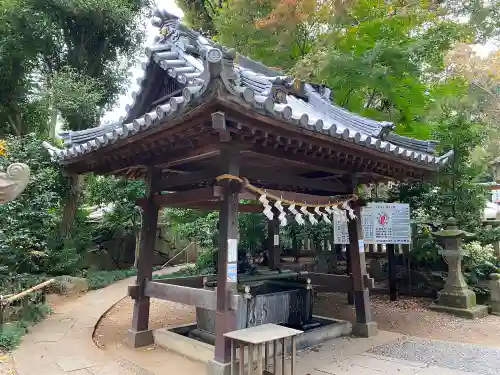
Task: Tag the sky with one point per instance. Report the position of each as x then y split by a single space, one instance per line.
151 31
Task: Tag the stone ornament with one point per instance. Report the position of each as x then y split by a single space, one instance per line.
13 181
456 297
494 285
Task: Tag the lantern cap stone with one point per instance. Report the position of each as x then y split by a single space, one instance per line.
451 230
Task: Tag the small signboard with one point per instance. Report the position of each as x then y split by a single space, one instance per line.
361 245
232 272
367 225
276 241
340 232
391 223
381 223
232 250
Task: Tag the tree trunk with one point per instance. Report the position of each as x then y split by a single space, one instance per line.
52 124
71 204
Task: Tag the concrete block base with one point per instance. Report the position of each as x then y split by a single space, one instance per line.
217 368
188 340
478 311
136 339
495 307
365 329
174 339
461 299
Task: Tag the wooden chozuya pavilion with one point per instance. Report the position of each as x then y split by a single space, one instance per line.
204 115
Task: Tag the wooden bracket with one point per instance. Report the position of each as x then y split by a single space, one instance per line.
133 291
137 291
220 125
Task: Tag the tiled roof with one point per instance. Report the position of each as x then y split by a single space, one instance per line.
195 62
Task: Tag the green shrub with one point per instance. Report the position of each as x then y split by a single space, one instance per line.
11 333
100 279
478 262
205 263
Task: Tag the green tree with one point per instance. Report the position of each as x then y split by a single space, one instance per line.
88 48
23 106
200 14
278 33
454 192
380 59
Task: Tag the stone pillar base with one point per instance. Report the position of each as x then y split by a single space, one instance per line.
478 311
217 368
136 339
495 307
364 329
462 299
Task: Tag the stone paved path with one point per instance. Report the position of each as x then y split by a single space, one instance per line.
62 344
393 354
474 358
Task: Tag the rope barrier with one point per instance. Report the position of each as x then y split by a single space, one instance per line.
255 189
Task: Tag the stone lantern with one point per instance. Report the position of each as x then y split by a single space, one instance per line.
13 181
456 297
495 169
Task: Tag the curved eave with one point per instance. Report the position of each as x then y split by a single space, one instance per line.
284 113
190 103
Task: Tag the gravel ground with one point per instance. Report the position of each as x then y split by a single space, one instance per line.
6 365
465 357
410 316
113 327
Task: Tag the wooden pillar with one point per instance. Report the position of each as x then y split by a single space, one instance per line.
273 244
225 320
364 326
336 250
139 334
391 256
348 271
296 248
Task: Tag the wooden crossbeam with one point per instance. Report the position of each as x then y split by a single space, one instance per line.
203 298
253 174
331 283
291 180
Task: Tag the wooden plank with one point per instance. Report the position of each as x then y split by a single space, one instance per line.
204 298
189 281
261 334
331 283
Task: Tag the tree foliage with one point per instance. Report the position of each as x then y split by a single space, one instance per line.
454 193
27 223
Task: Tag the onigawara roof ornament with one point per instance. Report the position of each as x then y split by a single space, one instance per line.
183 71
13 181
